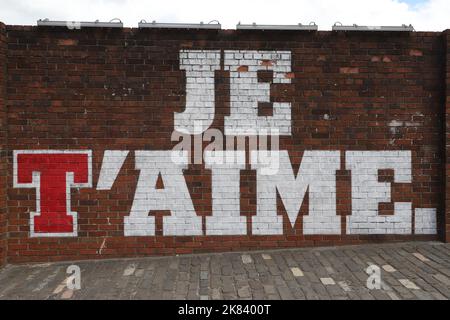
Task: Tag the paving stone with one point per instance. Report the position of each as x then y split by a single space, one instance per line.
327 281
270 289
410 271
204 275
330 270
344 286
421 257
285 293
320 290
244 292
228 288
67 294
335 291
388 268
298 294
60 288
246 259
408 284
422 295
380 295
227 270
442 279
139 273
216 294
438 296
129 270
297 272
392 295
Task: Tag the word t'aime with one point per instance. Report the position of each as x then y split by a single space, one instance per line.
54 173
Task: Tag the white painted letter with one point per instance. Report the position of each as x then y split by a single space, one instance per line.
174 197
317 174
111 165
226 218
200 98
367 192
246 92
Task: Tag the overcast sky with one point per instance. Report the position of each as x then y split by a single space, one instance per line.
424 15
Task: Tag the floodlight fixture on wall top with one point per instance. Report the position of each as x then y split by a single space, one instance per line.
114 23
311 27
403 28
213 25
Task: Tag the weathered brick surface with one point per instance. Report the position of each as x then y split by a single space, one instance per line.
3 145
107 89
447 136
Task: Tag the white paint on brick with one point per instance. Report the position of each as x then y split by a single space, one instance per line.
367 192
226 218
425 221
317 174
246 91
394 126
175 197
199 66
111 165
102 246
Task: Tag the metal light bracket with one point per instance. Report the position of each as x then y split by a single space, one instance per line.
403 28
311 27
214 25
114 23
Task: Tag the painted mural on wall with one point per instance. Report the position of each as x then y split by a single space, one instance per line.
54 173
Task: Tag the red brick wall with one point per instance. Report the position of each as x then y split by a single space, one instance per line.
447 136
3 145
107 89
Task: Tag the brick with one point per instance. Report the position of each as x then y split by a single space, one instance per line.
348 70
415 53
67 42
375 59
3 146
445 230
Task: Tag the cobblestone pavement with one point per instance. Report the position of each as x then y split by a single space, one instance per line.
408 271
